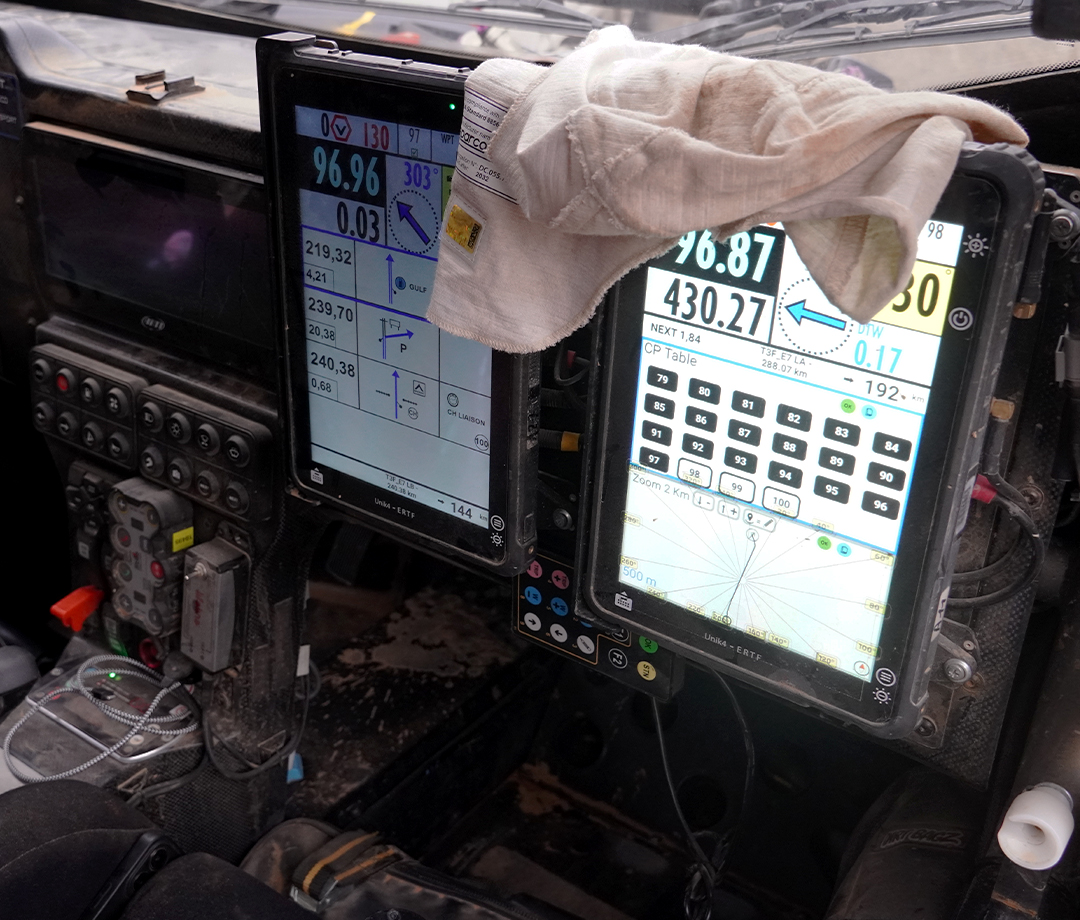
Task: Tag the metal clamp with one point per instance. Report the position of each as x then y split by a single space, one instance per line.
155 88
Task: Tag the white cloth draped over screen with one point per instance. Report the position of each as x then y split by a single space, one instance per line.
606 158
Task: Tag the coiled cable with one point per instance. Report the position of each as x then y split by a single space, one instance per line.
145 722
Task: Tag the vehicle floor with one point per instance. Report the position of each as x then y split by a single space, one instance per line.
492 760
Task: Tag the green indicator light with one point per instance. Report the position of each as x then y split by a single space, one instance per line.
824 542
113 675
453 105
848 405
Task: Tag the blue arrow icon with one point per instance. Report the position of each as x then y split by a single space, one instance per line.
393 335
799 311
404 212
395 394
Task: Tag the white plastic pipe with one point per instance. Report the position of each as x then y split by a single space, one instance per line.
1037 826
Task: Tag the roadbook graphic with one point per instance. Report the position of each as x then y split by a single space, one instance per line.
394 401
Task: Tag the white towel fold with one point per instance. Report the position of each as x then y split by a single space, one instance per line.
569 176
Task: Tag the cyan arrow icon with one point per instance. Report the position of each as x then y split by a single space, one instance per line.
799 312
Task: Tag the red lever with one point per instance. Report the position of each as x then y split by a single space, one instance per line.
74 609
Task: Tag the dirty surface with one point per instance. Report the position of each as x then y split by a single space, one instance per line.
390 679
538 837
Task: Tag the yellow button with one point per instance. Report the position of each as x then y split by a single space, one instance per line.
646 670
183 539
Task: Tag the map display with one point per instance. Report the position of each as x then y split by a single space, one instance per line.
394 401
775 438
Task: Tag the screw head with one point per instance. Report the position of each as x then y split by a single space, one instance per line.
957 670
968 645
562 519
925 728
1061 225
1033 495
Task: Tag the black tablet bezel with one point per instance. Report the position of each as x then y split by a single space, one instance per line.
890 706
371 88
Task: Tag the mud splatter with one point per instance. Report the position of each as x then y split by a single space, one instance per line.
436 634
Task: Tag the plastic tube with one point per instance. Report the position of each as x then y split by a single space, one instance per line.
1037 826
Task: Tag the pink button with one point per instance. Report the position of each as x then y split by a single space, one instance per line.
560 579
535 569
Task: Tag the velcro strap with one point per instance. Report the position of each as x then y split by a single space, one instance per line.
317 874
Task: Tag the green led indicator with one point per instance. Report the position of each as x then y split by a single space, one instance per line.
453 105
113 675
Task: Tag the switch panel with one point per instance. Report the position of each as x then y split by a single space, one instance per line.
86 495
84 402
545 599
215 457
150 528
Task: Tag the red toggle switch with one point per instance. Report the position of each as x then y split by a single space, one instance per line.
74 609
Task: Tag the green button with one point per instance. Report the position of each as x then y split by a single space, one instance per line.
848 405
647 644
824 542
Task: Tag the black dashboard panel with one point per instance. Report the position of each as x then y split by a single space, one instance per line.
70 73
156 244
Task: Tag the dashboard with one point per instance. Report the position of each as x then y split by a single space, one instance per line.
214 340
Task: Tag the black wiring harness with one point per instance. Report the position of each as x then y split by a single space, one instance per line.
708 872
996 491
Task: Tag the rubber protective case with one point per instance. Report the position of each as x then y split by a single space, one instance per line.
995 193
295 69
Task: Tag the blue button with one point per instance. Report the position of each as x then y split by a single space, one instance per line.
558 605
843 549
532 595
869 411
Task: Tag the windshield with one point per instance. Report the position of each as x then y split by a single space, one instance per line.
898 44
